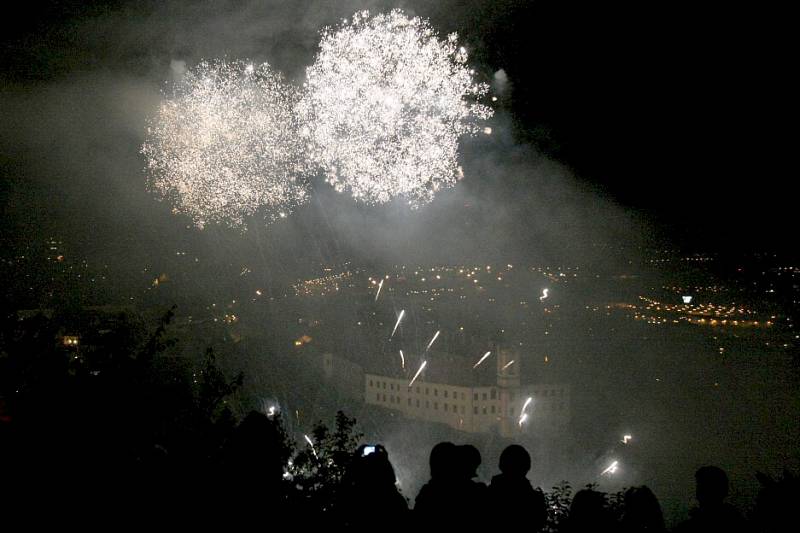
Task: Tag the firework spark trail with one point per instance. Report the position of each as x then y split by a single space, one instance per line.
421 367
544 294
527 403
399 318
312 446
611 469
507 364
523 416
402 360
385 104
380 286
482 359
225 145
435 336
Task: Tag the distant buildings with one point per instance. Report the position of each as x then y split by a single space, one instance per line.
505 406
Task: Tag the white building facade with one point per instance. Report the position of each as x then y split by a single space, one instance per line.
476 409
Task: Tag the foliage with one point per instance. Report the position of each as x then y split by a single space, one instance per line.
213 387
557 500
318 471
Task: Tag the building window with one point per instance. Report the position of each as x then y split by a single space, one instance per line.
494 394
378 397
493 409
384 397
475 396
445 393
463 397
484 410
436 392
384 384
391 386
474 410
485 396
445 408
427 404
427 391
409 402
370 383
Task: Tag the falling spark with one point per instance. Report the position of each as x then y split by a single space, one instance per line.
421 367
527 403
312 446
225 145
610 470
482 359
507 364
386 102
544 294
402 360
399 318
523 416
435 336
380 286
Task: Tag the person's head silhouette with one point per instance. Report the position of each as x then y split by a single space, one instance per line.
442 460
469 460
642 510
712 486
515 461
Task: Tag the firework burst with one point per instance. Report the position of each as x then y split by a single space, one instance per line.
225 145
384 106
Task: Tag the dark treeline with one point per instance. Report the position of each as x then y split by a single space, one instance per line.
123 434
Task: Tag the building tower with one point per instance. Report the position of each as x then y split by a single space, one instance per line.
508 382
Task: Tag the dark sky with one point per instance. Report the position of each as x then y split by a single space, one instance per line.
674 112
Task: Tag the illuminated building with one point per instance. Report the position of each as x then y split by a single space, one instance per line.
474 408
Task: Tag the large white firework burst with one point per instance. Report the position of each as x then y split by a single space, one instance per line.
385 104
225 145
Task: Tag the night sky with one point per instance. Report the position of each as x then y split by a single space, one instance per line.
676 112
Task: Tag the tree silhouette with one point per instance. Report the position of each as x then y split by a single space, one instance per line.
318 471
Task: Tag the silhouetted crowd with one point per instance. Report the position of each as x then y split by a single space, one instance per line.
250 486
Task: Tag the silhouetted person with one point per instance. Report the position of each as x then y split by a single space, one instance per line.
589 512
514 501
252 466
642 511
369 495
438 502
469 459
474 494
712 514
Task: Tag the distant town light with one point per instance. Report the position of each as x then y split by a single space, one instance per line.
70 340
687 299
